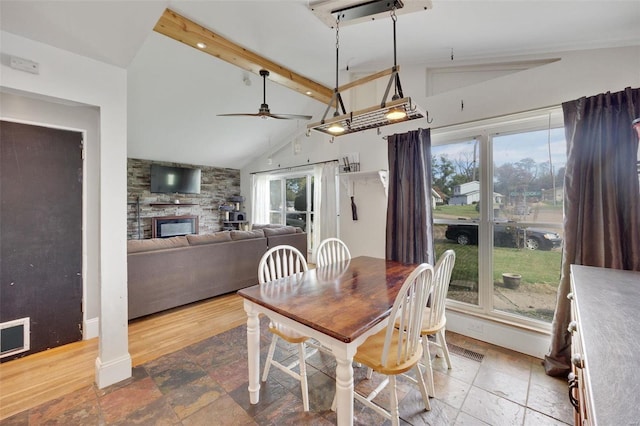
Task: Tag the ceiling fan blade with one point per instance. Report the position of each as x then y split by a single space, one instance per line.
239 114
291 116
264 112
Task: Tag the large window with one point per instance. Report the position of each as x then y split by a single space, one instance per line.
499 187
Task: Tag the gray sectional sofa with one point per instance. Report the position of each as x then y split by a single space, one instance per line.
164 273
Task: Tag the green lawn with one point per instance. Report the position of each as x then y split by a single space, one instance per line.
535 266
534 298
466 211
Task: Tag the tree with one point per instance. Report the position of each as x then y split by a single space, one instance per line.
466 166
443 172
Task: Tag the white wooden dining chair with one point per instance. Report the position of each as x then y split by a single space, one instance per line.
332 250
397 350
278 262
434 319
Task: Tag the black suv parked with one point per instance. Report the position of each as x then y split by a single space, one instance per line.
506 234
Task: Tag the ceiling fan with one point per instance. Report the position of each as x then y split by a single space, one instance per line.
264 112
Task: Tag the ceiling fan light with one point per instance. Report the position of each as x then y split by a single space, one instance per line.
396 113
335 128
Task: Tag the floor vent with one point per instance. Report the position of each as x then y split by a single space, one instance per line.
14 337
466 353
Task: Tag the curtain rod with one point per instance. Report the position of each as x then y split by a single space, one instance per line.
295 167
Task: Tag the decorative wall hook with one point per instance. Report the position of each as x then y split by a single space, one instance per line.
427 117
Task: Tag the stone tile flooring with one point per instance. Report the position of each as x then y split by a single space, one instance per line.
206 384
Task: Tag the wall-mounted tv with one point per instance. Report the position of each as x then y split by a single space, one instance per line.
170 180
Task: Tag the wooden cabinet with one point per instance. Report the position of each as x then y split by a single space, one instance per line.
578 384
605 342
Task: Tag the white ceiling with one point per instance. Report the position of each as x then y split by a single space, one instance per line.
176 91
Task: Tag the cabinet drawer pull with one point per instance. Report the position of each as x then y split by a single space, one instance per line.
570 296
573 384
576 359
573 326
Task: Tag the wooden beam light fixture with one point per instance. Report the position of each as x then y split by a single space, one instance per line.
398 109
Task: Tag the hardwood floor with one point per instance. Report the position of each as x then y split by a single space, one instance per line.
41 377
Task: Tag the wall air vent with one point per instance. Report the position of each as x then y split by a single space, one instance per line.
353 12
14 337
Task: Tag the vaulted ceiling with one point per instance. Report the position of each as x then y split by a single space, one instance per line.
175 91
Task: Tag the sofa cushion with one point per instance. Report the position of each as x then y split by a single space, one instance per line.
279 231
216 237
265 225
136 246
245 235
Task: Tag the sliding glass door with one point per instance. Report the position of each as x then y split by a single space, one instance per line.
291 201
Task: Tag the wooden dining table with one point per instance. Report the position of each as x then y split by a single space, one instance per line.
339 305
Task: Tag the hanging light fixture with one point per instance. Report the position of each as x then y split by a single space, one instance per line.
398 109
336 128
395 113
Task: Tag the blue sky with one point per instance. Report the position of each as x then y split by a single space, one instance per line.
511 148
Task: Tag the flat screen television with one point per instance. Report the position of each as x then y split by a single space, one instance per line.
170 180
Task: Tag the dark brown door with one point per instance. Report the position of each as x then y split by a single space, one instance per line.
41 232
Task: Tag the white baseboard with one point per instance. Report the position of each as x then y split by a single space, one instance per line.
113 371
91 328
518 339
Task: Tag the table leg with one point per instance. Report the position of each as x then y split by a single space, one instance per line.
253 349
344 388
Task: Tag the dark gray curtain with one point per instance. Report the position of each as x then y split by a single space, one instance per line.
601 200
409 218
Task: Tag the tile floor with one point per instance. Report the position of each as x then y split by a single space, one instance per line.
206 384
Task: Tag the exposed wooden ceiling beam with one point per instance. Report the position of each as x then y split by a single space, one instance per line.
177 27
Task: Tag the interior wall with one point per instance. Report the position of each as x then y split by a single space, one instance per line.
68 77
217 186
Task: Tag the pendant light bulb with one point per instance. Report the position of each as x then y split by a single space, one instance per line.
396 113
336 128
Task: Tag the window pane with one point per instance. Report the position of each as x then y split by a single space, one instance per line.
464 278
297 219
456 193
527 227
275 217
297 194
275 196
